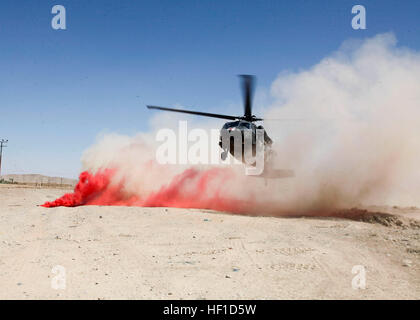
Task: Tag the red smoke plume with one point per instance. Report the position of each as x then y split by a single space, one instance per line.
190 189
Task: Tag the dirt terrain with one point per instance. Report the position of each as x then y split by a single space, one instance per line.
166 253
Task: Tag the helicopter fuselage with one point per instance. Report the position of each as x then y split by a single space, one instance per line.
234 135
234 132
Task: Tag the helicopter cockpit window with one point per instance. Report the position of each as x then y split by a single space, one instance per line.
246 125
230 124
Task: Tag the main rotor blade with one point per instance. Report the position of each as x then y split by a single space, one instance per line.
204 114
247 92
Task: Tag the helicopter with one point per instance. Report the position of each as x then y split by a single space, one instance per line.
237 125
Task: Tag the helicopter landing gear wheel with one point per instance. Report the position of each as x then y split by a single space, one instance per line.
223 155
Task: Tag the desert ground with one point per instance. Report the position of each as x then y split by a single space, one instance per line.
168 253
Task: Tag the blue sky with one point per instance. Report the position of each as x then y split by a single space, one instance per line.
60 88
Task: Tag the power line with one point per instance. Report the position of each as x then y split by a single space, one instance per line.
2 144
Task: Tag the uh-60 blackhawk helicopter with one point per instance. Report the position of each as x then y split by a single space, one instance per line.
242 126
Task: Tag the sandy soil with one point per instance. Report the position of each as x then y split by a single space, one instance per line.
136 253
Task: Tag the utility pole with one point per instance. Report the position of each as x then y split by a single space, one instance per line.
2 144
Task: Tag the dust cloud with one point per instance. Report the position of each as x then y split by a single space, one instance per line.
350 131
